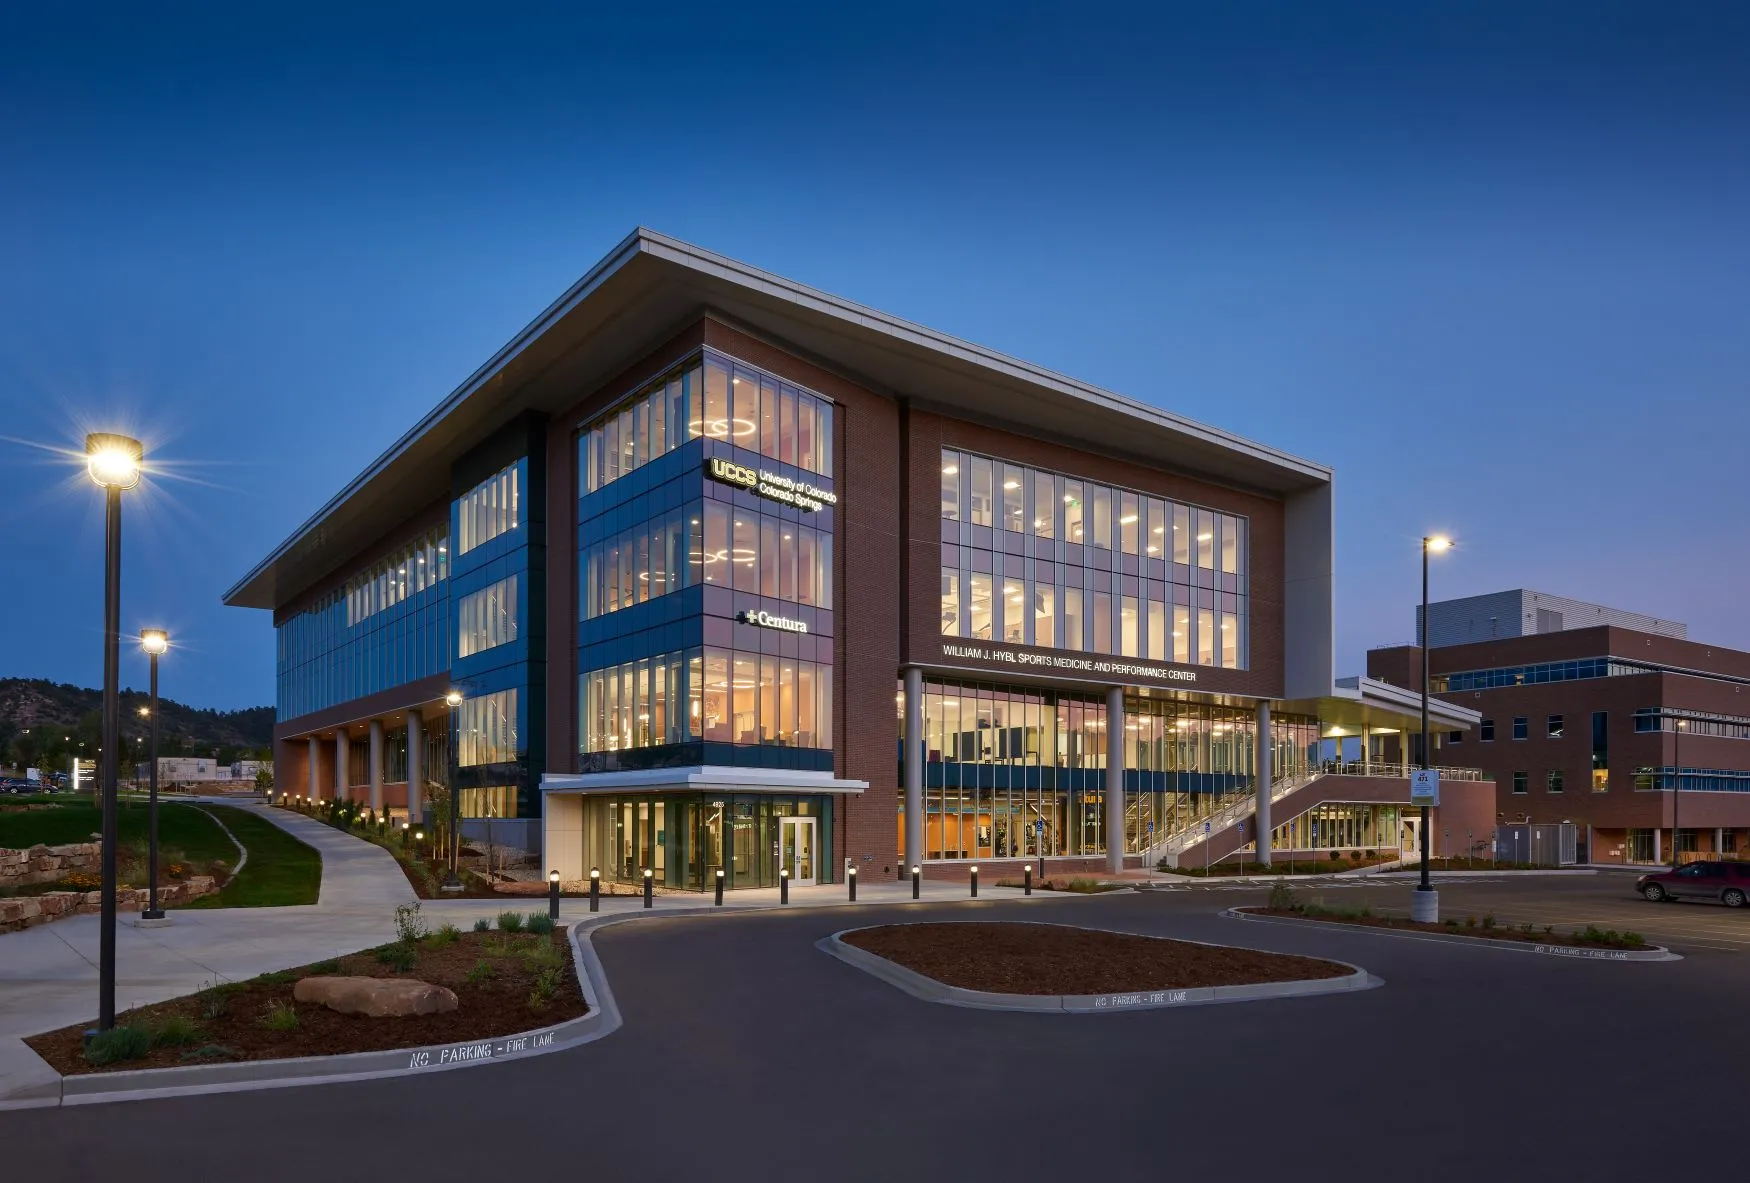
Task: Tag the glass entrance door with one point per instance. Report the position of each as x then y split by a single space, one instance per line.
796 839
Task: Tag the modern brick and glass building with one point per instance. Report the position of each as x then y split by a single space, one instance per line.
1614 721
702 545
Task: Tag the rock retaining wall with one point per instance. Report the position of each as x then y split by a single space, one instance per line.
47 864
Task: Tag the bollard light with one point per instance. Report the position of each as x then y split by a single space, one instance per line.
974 880
553 895
914 881
783 885
719 900
851 881
1026 878
649 887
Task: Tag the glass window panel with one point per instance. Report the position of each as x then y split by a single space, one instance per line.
1014 499
950 485
1155 527
1182 535
744 391
717 559
979 606
1205 539
805 431
1044 615
1230 641
1129 522
1044 505
1182 634
824 436
1072 511
1102 499
769 418
744 551
787 561
980 479
1205 637
1102 614
1014 612
1072 618
807 566
806 736
950 602
787 425
771 551
1128 626
716 421
1157 630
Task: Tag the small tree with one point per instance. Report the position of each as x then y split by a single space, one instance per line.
264 780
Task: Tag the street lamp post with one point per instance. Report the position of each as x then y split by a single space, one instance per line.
154 641
453 882
1425 903
114 463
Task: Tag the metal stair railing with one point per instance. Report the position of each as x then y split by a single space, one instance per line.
1241 806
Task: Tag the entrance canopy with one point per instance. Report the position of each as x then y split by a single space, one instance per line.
700 778
1380 707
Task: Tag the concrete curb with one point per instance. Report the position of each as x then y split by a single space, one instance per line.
1656 953
930 990
242 850
48 1088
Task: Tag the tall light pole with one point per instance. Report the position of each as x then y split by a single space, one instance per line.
114 463
154 641
1676 784
1426 905
453 881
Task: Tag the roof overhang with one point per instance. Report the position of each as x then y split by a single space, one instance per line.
1357 703
651 285
700 778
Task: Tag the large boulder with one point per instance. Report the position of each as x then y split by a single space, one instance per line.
375 997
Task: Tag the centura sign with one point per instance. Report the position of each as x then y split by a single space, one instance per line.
773 486
768 620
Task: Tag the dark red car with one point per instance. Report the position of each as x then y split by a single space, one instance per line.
1727 883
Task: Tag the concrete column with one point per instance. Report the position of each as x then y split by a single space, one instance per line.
1266 778
1404 750
377 766
914 770
1115 779
1658 854
342 759
315 789
1366 750
415 766
1719 839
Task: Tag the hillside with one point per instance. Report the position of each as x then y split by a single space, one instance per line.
41 721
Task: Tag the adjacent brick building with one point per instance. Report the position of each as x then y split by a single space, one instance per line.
1633 735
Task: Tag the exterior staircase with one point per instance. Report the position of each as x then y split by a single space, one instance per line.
1240 807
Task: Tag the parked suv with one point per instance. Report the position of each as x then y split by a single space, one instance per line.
1726 882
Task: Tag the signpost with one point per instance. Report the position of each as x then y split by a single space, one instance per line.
1206 850
1425 788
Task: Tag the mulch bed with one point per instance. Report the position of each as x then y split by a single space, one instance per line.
488 1009
1058 959
1536 936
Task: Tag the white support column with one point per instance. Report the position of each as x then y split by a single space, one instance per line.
415 766
1266 778
1404 750
1658 854
1366 750
342 763
914 770
377 766
1115 779
315 790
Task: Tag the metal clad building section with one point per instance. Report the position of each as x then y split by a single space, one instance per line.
1525 613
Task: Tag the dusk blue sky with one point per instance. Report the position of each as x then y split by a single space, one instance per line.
1491 262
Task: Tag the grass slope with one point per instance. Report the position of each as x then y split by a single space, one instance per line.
181 827
281 870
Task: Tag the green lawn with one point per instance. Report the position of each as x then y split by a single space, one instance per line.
281 870
182 829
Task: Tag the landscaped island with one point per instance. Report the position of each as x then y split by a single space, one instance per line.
1049 959
1286 904
504 982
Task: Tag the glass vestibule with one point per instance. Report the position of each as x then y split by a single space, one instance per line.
686 838
1343 826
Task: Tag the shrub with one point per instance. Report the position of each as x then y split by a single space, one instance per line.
214 1004
1451 923
117 1044
1631 937
279 977
324 968
176 1031
1489 921
409 923
539 923
1283 899
545 955
1354 856
280 1016
449 934
510 922
1373 854
483 925
211 1051
399 956
481 972
1470 921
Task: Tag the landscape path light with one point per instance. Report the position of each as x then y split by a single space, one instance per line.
453 700
553 895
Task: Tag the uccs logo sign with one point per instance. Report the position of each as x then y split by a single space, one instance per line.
730 473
